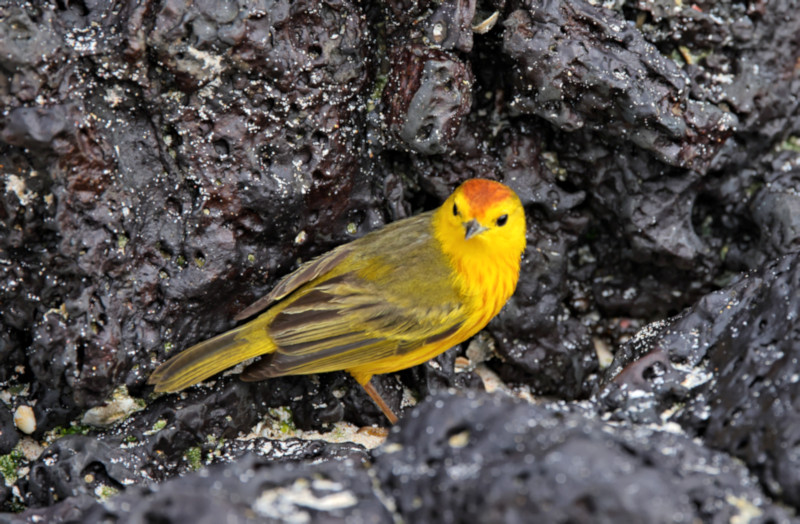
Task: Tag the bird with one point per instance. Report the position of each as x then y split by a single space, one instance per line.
387 301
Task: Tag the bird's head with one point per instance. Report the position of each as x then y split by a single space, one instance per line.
482 215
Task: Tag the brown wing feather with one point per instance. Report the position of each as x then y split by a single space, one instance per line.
346 322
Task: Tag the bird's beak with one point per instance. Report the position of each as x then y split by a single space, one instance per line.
473 228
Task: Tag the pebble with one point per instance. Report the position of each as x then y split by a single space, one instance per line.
25 420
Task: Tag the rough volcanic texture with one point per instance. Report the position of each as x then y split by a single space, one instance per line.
8 434
254 489
77 466
737 55
172 437
490 459
428 91
596 79
179 180
458 459
450 25
732 359
775 207
580 66
664 211
162 164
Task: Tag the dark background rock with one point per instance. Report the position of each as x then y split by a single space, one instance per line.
583 67
427 93
8 433
163 164
727 371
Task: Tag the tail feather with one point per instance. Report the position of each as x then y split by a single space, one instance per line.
208 358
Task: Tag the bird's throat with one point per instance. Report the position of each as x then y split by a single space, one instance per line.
482 274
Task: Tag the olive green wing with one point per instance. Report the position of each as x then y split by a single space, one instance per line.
347 321
410 232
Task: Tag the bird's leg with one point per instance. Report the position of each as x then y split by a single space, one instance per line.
376 397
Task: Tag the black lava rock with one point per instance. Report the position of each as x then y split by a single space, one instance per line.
251 490
8 432
490 459
427 93
77 465
134 224
458 459
580 66
727 371
163 164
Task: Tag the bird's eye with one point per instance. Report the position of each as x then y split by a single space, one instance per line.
501 221
455 210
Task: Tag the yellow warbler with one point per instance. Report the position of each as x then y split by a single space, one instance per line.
390 300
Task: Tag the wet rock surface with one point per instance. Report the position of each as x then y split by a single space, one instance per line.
726 370
457 458
254 489
498 460
163 164
614 82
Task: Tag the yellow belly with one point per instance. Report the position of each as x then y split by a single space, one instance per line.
363 373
